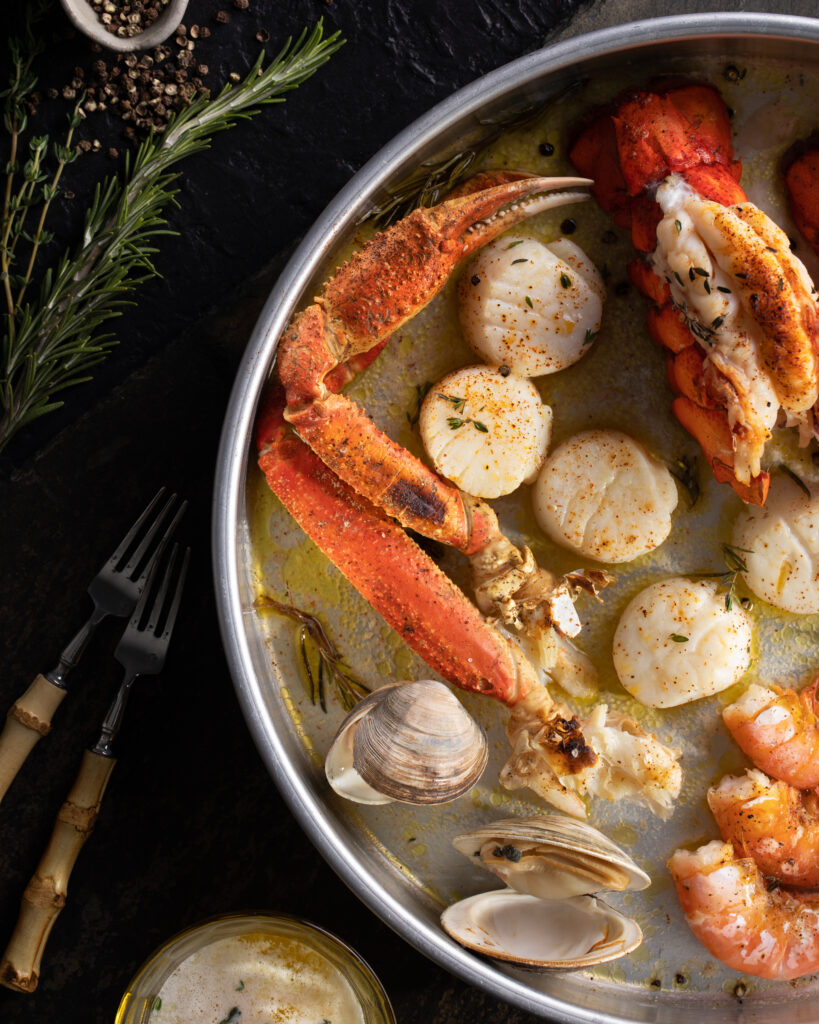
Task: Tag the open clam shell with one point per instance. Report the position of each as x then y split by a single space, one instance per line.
554 935
410 742
552 857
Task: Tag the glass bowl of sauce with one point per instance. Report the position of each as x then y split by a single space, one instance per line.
255 969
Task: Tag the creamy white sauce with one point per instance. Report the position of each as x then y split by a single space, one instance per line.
267 979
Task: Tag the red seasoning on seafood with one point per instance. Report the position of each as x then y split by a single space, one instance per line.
349 486
733 305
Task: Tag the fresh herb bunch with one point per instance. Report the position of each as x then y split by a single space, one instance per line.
734 565
51 341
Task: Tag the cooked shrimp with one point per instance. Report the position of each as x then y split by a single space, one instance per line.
779 730
728 907
771 822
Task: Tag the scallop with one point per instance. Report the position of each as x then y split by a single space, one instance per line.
532 307
602 494
780 545
677 642
411 742
485 430
546 918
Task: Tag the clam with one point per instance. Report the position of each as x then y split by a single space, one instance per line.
410 742
547 917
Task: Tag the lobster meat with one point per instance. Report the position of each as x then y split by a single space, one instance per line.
352 489
731 303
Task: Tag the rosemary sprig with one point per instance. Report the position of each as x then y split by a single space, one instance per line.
50 344
327 658
434 178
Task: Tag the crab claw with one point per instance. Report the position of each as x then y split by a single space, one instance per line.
399 271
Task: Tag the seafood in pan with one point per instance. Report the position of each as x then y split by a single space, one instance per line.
335 473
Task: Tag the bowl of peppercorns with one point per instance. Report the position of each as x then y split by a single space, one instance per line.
126 24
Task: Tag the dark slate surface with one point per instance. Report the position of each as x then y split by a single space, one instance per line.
192 825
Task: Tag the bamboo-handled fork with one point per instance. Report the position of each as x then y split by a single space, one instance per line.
115 591
141 651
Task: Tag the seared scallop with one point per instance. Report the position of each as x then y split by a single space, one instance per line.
677 641
603 495
780 544
485 429
531 307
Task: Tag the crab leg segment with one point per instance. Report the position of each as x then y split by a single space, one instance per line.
421 603
734 306
384 285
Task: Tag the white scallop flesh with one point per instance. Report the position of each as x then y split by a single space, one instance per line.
486 432
677 642
781 547
602 494
530 306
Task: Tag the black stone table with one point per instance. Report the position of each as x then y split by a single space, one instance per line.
192 825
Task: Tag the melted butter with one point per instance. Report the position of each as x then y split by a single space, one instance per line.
269 979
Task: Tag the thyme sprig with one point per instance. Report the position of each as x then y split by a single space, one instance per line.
434 178
51 342
328 661
734 565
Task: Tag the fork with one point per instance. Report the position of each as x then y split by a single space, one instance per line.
141 651
115 591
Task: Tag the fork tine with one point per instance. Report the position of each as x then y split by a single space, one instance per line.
177 597
159 599
138 555
163 543
130 536
145 596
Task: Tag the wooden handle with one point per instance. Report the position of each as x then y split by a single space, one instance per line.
45 894
28 719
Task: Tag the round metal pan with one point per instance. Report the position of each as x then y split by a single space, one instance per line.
739 37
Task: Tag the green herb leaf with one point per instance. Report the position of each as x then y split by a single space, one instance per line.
565 281
456 402
521 260
157 1005
678 226
51 342
678 639
454 422
590 336
512 245
348 689
480 426
233 1016
241 986
528 301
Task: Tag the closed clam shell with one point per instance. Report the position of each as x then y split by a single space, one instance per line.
411 742
541 935
551 857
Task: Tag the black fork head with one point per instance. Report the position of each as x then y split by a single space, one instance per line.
144 644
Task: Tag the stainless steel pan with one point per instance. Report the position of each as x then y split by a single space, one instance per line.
386 887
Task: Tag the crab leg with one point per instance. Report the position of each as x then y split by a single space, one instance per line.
420 602
731 303
385 284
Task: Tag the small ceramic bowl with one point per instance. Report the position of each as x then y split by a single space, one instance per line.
83 17
268 946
